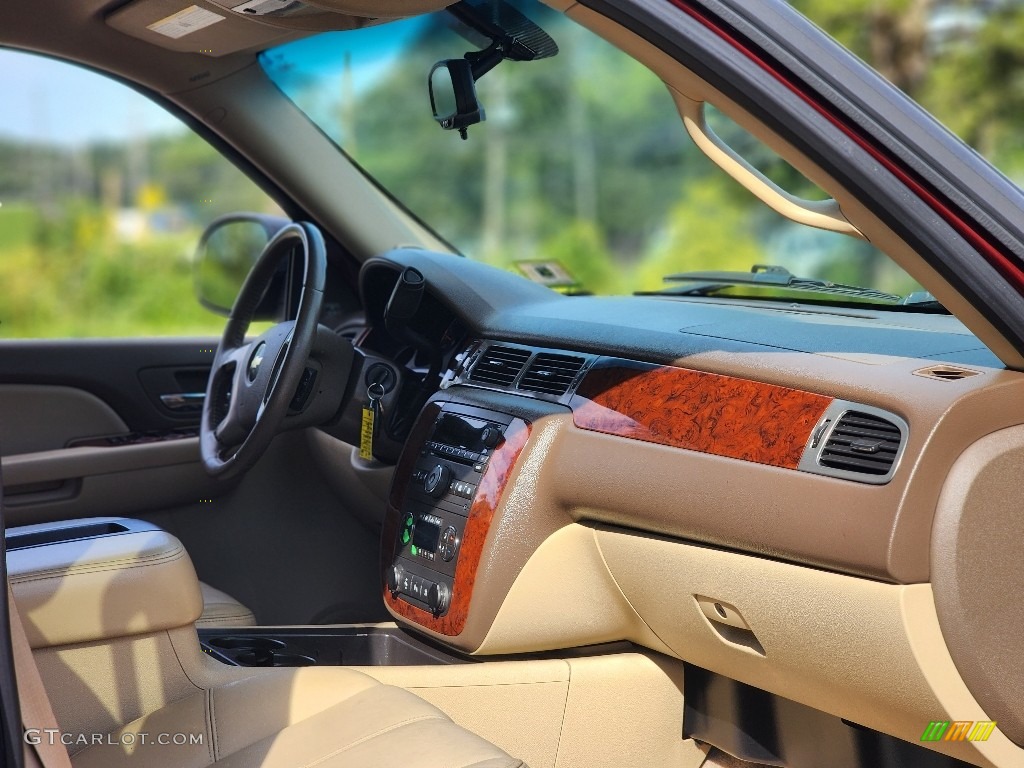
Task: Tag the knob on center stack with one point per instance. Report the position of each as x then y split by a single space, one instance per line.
436 483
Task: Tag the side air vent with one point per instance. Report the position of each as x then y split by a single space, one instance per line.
499 366
551 374
945 372
862 443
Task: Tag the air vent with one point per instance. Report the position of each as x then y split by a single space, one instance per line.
945 372
863 443
499 366
551 374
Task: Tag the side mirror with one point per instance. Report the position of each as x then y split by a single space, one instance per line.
227 250
452 87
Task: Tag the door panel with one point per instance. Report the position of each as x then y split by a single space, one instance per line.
70 483
85 427
40 418
127 374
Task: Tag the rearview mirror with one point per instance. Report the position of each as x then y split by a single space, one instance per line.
227 250
512 36
453 97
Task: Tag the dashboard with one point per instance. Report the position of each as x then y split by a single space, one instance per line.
784 495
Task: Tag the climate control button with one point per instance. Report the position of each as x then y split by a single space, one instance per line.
395 574
438 597
449 543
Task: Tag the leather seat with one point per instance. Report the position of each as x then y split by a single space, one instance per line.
222 610
141 582
284 718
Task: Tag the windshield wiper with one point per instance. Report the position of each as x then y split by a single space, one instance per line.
766 275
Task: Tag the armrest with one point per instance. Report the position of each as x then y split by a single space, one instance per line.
129 583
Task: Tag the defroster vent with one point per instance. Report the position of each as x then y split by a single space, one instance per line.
551 374
499 365
863 443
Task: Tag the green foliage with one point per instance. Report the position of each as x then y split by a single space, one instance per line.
580 248
18 225
99 240
89 285
708 229
963 60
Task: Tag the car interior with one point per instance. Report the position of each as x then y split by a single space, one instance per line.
411 508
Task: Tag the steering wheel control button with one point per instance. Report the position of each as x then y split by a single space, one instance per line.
303 391
437 482
449 543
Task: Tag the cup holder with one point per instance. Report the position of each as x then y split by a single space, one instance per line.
327 646
243 643
269 658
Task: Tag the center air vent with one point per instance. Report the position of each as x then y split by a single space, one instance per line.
499 366
862 443
551 374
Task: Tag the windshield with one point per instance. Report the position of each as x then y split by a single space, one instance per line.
582 161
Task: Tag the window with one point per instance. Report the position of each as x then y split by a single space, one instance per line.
962 61
103 197
582 160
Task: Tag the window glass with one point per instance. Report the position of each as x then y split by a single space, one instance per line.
103 196
583 160
962 61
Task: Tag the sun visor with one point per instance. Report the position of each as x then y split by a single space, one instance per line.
225 26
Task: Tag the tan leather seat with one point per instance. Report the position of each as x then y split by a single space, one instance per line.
327 716
132 587
222 610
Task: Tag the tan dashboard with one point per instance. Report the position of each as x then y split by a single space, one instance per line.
670 507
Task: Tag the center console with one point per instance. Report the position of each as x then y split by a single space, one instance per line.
448 480
465 512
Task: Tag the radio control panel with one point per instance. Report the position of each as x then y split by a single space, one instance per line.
439 497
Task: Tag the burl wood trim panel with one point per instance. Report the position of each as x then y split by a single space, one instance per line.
481 513
699 411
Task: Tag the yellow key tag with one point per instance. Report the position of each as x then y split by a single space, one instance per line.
366 434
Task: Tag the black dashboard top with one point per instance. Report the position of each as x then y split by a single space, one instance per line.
499 304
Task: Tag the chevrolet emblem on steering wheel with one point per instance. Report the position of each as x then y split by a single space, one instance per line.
257 361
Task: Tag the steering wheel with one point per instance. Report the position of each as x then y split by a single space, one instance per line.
252 384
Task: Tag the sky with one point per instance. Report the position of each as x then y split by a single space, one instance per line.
56 102
61 103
